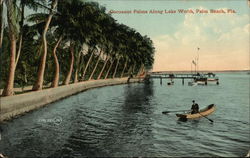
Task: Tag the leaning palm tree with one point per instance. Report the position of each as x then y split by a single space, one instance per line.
68 76
103 67
91 28
78 58
15 26
98 60
125 66
91 51
117 63
1 23
107 26
39 82
13 33
110 66
57 67
64 25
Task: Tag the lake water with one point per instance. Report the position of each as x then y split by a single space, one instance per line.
127 120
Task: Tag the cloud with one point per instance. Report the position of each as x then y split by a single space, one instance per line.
223 39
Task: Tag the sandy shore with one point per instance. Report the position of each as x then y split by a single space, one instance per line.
12 106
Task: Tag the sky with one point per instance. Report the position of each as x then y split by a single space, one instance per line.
222 38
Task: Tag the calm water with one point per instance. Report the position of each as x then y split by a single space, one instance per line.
126 120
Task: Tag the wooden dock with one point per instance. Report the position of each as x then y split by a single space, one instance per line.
202 77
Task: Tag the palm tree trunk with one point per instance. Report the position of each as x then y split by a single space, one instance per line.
11 17
9 88
81 66
57 67
133 70
99 57
124 67
19 48
87 65
39 83
100 74
1 24
68 77
139 71
77 66
109 68
143 69
21 33
76 75
129 71
116 67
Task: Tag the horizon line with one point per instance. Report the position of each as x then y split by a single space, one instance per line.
199 70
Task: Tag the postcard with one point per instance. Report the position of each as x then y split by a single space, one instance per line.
124 78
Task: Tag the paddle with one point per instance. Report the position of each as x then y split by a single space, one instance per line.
205 117
166 112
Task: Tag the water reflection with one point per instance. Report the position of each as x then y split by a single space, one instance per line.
137 98
136 121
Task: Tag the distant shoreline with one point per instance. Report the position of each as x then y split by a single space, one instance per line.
202 71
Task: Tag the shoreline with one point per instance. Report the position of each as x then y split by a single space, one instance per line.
12 106
200 71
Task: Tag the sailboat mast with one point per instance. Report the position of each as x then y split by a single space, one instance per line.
197 59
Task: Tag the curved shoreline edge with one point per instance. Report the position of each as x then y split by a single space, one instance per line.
16 105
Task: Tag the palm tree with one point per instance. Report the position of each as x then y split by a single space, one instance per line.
117 63
39 83
103 67
64 28
13 32
107 24
89 60
111 64
95 31
57 66
1 23
79 54
125 66
15 28
68 76
98 60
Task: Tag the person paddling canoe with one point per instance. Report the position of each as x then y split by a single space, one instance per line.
194 108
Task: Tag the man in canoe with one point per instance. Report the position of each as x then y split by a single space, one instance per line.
194 108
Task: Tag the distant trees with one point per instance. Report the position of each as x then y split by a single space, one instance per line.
71 41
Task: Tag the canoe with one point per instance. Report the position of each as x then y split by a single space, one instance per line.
204 112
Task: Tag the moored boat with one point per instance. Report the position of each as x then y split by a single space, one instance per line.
204 112
201 83
171 83
212 79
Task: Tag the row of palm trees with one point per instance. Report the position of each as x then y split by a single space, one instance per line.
67 39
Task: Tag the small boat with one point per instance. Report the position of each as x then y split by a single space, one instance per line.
201 83
171 83
212 79
204 112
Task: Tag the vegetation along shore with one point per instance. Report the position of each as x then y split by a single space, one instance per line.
61 42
